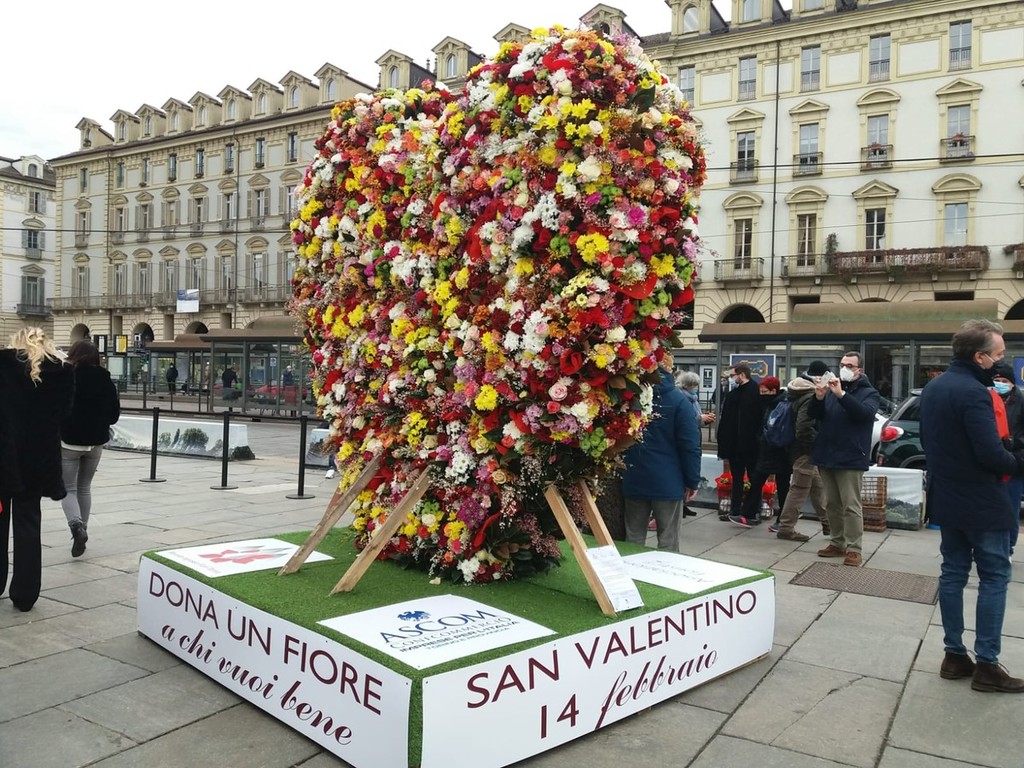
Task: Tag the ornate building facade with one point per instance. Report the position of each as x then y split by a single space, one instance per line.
27 249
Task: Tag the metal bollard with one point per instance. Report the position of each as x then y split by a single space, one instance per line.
224 458
152 450
300 493
144 390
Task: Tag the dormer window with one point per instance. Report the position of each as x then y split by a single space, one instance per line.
174 121
393 77
293 96
751 10
331 90
33 170
691 19
261 104
148 130
449 66
232 109
202 116
122 131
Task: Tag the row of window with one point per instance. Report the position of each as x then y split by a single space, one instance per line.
196 275
879 49
259 161
329 93
876 154
808 247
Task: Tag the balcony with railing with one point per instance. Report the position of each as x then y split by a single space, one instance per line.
170 231
743 171
266 294
731 270
875 156
1017 251
747 90
257 223
808 164
959 58
79 302
896 262
81 239
142 236
810 81
32 310
217 296
805 265
117 237
34 253
196 227
878 71
957 149
227 225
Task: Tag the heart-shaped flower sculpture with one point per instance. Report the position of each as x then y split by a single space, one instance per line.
485 281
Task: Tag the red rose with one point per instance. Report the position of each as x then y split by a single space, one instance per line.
570 362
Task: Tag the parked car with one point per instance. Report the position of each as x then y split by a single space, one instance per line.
900 443
885 410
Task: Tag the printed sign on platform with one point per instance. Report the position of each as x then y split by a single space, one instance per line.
433 630
689 575
234 557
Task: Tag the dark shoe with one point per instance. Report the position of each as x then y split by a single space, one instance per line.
724 518
740 520
22 605
687 512
79 537
956 665
773 527
792 536
826 529
993 678
831 551
854 559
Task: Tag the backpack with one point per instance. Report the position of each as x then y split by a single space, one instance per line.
780 427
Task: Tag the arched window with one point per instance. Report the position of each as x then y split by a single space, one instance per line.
232 109
261 104
202 116
149 126
331 90
691 19
449 65
174 121
393 77
293 96
122 130
33 170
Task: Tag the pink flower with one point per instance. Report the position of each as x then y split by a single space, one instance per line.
557 391
553 407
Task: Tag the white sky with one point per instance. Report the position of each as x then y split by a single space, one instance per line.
91 59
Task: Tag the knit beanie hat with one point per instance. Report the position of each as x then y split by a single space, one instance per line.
800 384
817 368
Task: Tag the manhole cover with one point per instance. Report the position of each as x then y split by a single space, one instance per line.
894 585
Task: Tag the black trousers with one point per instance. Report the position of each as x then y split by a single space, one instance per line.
740 466
24 515
752 503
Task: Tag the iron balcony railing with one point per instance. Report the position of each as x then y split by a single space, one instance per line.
898 261
748 268
956 148
875 156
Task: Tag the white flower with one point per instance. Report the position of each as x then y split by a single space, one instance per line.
589 169
615 335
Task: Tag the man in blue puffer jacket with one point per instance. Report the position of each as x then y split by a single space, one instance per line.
845 408
663 470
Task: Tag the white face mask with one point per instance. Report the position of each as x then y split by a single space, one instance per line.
845 374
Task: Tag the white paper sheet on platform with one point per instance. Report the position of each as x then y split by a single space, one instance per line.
229 558
433 630
682 573
611 571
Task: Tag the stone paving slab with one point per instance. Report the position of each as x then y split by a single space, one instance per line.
901 758
115 589
730 752
73 630
56 739
59 678
136 650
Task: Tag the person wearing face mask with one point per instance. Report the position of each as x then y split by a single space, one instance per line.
845 408
739 433
967 499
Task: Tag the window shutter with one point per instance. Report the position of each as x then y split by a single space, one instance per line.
42 240
24 238
282 201
248 205
42 291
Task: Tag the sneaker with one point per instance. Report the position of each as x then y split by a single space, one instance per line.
773 527
993 678
329 474
792 536
831 551
741 521
78 539
955 666
853 559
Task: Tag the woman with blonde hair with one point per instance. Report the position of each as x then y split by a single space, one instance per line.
83 433
36 389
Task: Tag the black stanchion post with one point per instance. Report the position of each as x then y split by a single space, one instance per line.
224 458
300 493
152 450
144 394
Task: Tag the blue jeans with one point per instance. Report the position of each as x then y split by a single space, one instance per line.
990 551
79 469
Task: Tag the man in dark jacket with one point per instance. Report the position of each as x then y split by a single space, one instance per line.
771 460
845 408
739 431
663 470
967 467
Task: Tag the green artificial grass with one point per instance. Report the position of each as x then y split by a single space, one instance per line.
559 599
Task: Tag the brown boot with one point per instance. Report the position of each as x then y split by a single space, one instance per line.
831 551
854 559
956 665
993 678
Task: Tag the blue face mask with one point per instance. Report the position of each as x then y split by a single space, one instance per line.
1002 387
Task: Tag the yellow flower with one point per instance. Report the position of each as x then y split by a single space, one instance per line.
591 246
486 399
462 278
548 154
663 265
524 266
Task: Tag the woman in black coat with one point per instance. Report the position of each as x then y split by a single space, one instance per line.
36 389
83 434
